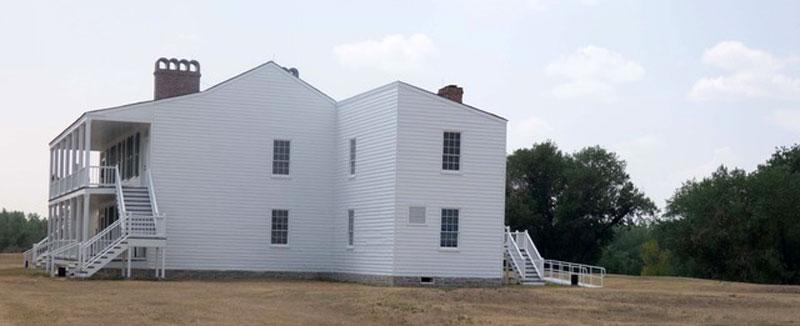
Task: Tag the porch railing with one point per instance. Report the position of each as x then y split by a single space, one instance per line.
92 176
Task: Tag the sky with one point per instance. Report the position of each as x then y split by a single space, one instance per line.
675 88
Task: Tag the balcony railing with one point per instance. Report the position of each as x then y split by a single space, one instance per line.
93 176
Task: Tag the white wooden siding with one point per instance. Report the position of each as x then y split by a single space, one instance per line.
211 157
212 164
371 119
477 190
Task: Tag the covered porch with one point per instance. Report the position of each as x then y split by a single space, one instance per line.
85 155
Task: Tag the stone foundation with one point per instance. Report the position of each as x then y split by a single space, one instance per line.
381 280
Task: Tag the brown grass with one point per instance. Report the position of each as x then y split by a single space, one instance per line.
27 298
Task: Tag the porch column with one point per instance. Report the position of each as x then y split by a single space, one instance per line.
62 158
58 160
50 172
87 146
86 217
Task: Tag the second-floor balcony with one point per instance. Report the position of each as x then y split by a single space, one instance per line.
86 154
85 177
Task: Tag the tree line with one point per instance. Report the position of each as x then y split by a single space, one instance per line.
732 225
18 231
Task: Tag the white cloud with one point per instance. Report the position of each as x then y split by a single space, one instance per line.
639 145
529 131
592 72
393 53
721 156
751 74
786 119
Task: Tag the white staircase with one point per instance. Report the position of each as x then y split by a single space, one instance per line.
529 268
137 226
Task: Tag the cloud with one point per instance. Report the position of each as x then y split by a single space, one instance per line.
528 131
638 145
592 73
751 73
721 156
393 53
786 119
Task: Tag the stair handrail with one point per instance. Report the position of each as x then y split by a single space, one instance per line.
514 253
153 202
118 186
90 249
538 260
152 192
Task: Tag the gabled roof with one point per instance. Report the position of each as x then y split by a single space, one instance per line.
210 89
425 92
466 106
281 70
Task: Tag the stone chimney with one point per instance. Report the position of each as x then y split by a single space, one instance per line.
452 92
176 77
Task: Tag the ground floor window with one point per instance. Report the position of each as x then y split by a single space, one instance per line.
351 221
449 234
280 226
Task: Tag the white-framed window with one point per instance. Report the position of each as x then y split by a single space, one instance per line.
280 157
416 215
280 227
451 151
449 234
352 156
351 225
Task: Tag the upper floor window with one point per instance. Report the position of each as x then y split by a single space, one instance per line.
449 235
280 226
451 152
351 224
125 154
352 156
280 157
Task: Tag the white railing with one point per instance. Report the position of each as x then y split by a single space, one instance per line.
102 176
92 176
562 272
64 249
525 243
137 225
102 242
120 199
517 260
160 226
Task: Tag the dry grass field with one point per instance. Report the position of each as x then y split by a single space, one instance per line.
27 298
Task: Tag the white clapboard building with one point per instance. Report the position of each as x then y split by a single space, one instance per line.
265 175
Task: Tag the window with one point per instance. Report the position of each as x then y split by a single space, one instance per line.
449 236
451 154
352 156
129 157
280 157
136 143
280 226
416 215
351 223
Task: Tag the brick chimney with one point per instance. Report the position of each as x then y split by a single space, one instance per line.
176 77
452 92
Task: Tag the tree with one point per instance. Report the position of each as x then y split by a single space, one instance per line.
571 204
739 226
624 254
19 232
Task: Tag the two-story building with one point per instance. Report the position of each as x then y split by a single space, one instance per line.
265 174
